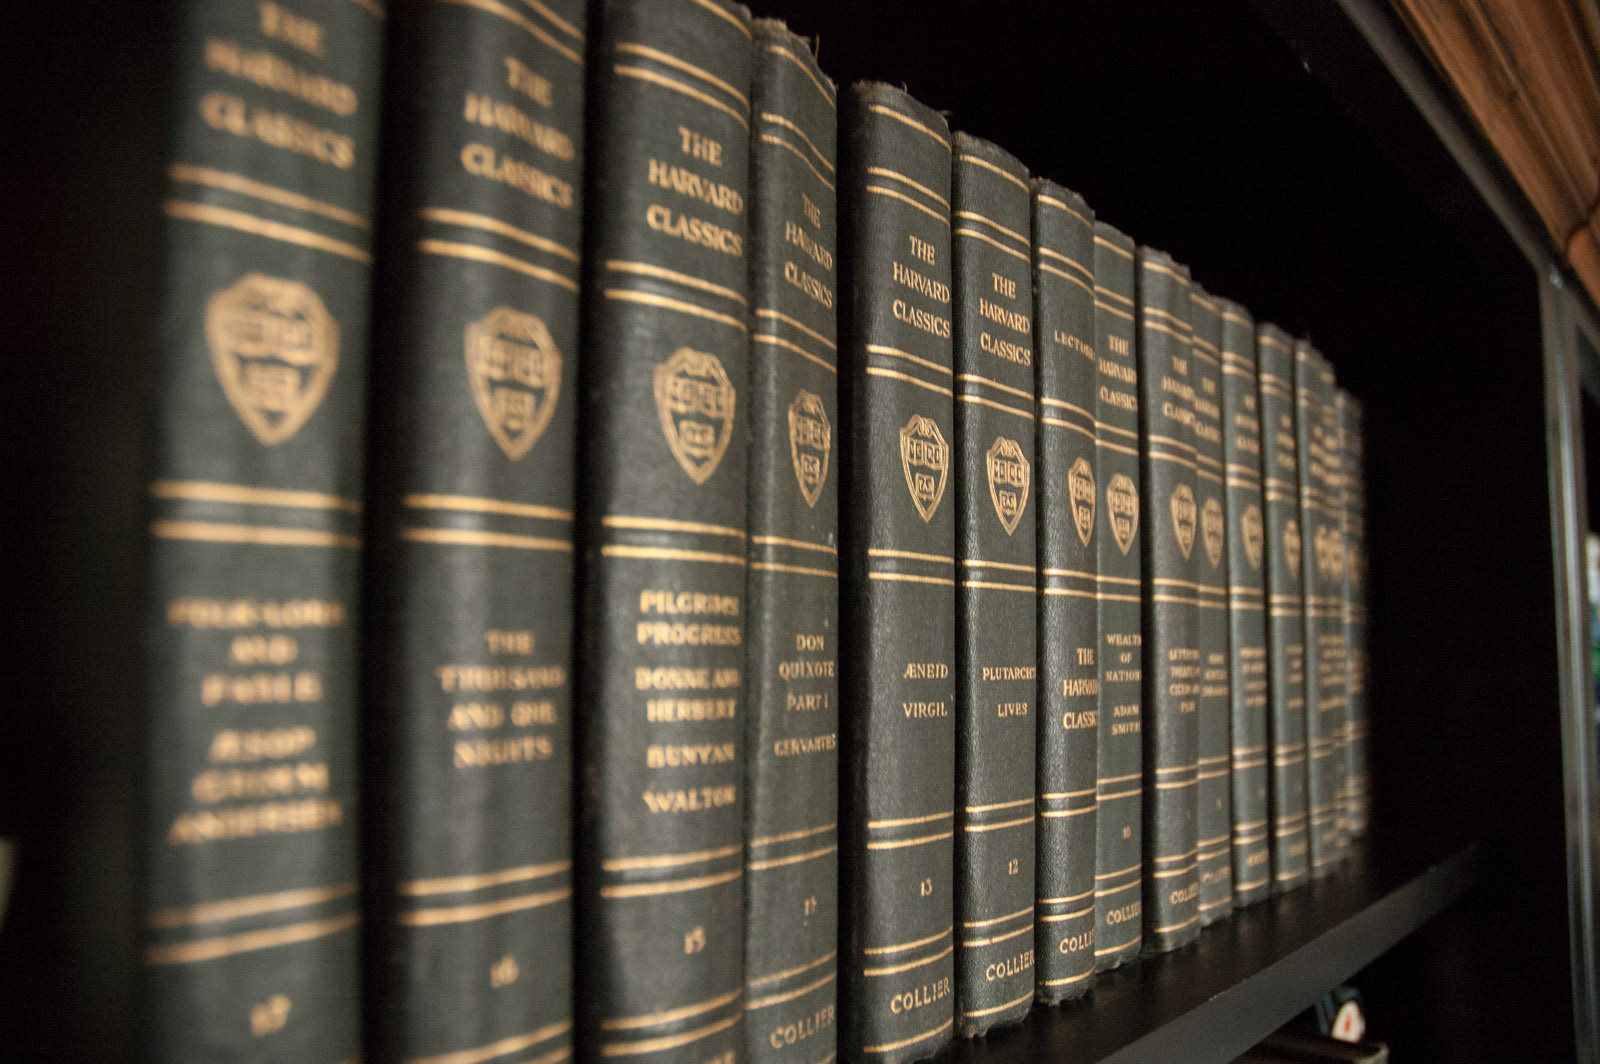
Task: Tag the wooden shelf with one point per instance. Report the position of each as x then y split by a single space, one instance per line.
1245 976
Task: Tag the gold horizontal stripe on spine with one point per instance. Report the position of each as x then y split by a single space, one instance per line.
1170 928
901 844
1013 1003
990 808
674 85
469 220
1272 341
185 174
1168 873
456 884
1056 918
885 552
1120 794
974 829
1163 327
724 16
901 947
251 905
1251 885
376 9
973 378
773 138
895 175
780 541
1068 899
1108 308
1176 320
666 860
788 972
1101 290
1169 441
902 197
667 524
799 570
619 550
908 578
651 300
676 886
802 326
1056 796
1237 319
1071 262
1184 856
979 400
468 537
998 919
973 216
997 938
1109 246
1061 424
896 969
996 585
1173 785
1235 371
249 941
656 1019
895 352
1196 297
1068 980
1118 779
645 269
1110 892
798 858
260 535
460 914
670 1041
227 218
1108 950
889 112
673 61
889 1047
878 371
780 120
987 165
900 822
827 94
516 18
790 836
789 995
1063 274
470 504
1119 872
514 1044
1237 358
1058 205
451 249
1064 405
211 491
1181 600
992 242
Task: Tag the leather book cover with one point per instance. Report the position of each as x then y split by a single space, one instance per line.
1213 796
1247 628
1357 783
1070 473
1119 556
251 849
792 588
469 576
1172 547
898 646
997 587
1286 638
662 530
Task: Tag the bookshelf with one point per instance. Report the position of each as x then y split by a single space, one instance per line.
1303 160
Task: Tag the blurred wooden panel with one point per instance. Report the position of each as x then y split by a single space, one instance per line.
1529 72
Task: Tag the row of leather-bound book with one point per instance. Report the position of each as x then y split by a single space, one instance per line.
656 558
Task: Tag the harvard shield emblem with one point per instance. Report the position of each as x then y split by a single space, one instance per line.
1080 490
1122 510
1213 528
695 401
515 372
1328 546
1291 546
1251 528
1008 481
810 441
1184 516
925 458
274 348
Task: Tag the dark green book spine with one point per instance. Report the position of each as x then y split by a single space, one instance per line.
468 864
1321 525
997 668
663 532
251 852
898 600
1213 797
1171 603
1357 786
1247 623
1119 569
792 688
1069 477
1286 640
